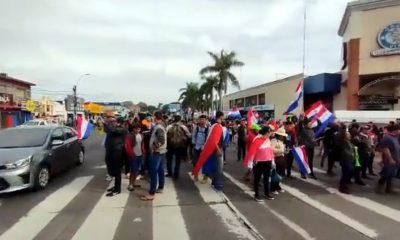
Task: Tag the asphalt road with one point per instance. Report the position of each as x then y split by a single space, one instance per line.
74 206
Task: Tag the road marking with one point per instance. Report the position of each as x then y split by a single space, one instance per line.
228 218
100 167
38 217
167 215
363 229
298 229
103 221
376 207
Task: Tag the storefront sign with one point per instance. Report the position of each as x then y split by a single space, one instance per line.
6 99
377 100
389 41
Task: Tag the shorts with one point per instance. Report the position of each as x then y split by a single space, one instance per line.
136 162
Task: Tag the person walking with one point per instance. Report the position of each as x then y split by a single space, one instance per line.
390 149
278 144
134 147
260 157
346 153
199 136
291 142
307 138
177 139
115 146
158 149
241 141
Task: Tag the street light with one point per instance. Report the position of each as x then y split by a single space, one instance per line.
74 89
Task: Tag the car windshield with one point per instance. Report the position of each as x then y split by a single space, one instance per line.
21 138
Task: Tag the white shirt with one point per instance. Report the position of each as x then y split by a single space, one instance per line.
137 149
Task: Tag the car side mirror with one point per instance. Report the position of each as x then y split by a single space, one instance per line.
55 143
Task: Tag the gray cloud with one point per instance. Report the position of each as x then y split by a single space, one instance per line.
147 50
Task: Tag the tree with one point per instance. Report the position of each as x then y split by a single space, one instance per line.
151 109
207 89
222 66
159 105
189 95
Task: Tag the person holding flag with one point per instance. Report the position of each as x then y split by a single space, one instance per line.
211 157
306 137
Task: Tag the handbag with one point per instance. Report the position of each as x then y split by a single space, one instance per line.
275 177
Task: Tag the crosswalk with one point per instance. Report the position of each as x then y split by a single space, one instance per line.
309 209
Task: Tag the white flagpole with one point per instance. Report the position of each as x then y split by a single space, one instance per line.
301 109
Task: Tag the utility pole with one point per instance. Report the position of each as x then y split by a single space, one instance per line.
75 105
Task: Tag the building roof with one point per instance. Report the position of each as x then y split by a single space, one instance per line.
4 76
363 5
297 76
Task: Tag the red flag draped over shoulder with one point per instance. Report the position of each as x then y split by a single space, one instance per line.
255 145
210 146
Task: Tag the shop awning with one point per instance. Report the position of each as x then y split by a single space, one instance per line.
323 83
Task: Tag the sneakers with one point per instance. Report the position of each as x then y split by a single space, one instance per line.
275 192
131 188
269 197
281 191
258 199
109 178
160 190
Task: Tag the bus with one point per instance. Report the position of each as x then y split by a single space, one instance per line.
174 108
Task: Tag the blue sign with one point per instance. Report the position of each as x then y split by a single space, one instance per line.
389 37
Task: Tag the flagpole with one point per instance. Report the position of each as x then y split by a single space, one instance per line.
304 52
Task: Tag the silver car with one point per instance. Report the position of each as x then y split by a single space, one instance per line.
30 156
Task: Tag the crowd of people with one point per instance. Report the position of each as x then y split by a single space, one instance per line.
149 147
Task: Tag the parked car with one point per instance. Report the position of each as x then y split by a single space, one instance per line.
38 122
30 156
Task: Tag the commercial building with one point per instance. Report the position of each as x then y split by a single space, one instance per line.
368 80
13 94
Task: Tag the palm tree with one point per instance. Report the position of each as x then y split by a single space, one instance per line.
222 66
207 89
189 95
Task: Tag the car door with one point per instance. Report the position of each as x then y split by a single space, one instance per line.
72 146
58 152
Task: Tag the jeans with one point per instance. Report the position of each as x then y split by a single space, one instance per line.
241 150
156 170
217 178
179 153
347 172
262 169
195 156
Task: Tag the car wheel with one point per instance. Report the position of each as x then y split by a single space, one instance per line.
81 158
42 177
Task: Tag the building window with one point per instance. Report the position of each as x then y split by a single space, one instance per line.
261 99
231 104
239 102
250 101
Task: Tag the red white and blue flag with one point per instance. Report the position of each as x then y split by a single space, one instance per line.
296 102
300 156
234 113
318 112
84 128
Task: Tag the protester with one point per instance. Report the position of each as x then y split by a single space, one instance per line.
134 146
328 141
345 152
254 129
390 149
114 148
260 158
177 138
365 149
241 141
146 133
291 142
199 136
225 140
158 149
278 144
307 138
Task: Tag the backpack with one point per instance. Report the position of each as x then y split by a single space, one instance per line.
198 129
176 137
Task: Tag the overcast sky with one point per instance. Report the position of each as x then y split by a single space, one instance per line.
146 50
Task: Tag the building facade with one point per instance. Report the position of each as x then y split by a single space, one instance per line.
13 93
371 69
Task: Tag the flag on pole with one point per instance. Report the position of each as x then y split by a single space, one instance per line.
300 156
318 112
251 118
84 128
296 102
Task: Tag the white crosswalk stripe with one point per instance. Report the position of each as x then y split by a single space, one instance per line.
37 218
103 220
